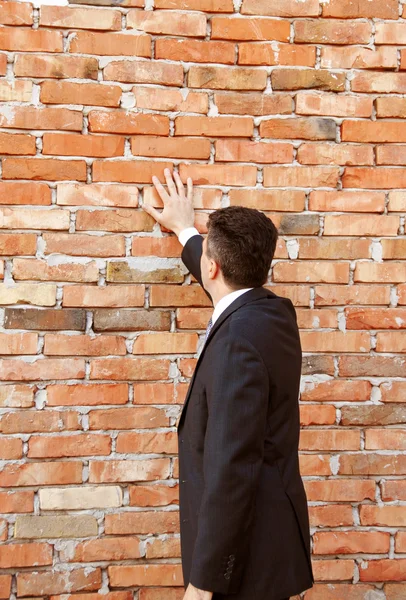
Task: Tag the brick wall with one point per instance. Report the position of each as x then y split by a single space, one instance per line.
295 107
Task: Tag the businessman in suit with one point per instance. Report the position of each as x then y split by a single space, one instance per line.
243 509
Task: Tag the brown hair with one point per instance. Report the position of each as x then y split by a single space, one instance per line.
242 241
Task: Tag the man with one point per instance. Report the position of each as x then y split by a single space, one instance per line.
243 508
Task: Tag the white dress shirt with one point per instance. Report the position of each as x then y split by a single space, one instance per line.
226 300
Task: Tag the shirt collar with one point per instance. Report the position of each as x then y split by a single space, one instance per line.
225 301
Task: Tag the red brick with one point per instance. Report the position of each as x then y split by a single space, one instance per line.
335 341
55 66
110 549
184 147
346 201
333 570
353 9
45 473
5 586
334 390
330 439
128 171
166 22
390 106
134 71
27 117
351 542
73 445
17 193
275 200
334 154
171 295
129 368
390 33
340 490
384 570
18 343
112 471
374 225
211 6
17 91
333 515
355 294
378 366
82 145
111 44
385 439
104 297
380 178
15 13
332 31
43 582
333 248
391 341
30 40
394 272
379 82
92 94
40 270
165 343
373 131
219 174
311 271
254 103
3 64
301 176
375 318
397 202
145 575
246 151
38 168
233 28
128 123
273 8
80 18
195 51
232 78
391 155
215 126
393 391
87 395
152 98
297 79
283 54
114 220
83 245
148 443
83 345
42 369
333 105
17 501
299 128
43 421
317 415
358 58
10 449
393 490
157 393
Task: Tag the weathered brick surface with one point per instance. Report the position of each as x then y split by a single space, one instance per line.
295 108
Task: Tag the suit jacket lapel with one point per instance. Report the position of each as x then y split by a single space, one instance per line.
250 296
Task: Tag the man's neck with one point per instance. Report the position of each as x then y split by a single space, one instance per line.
219 294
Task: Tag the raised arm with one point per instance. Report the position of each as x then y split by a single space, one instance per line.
178 216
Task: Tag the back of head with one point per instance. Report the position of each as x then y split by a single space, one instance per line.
242 241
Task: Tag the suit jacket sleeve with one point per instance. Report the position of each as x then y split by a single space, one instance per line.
237 399
191 254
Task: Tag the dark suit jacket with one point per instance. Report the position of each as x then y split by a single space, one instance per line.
243 508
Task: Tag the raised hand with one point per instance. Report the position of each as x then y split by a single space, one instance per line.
178 212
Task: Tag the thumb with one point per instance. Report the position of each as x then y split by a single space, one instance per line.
152 211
